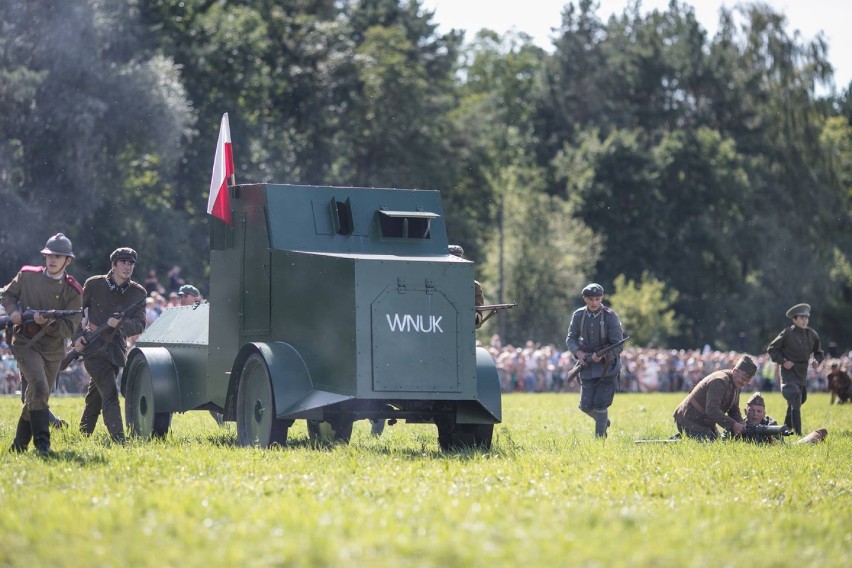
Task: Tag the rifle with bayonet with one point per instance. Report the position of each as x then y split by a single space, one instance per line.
490 309
29 315
588 358
97 339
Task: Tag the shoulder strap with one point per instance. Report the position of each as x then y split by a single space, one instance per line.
71 281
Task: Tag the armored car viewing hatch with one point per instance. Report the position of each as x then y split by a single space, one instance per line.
326 304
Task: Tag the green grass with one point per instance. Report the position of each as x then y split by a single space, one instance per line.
548 494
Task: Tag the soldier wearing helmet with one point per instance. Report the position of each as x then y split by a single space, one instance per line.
104 298
39 344
791 350
593 327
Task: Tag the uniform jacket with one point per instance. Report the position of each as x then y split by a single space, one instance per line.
592 333
33 289
796 345
714 400
102 297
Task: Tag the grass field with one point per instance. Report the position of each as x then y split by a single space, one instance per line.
548 494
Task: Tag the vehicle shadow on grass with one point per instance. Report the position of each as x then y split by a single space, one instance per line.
425 450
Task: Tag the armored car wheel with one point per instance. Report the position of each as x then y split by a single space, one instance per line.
326 433
140 410
460 436
257 424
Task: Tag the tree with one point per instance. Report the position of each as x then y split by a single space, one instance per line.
74 109
646 310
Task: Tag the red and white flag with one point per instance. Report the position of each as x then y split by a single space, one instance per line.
219 203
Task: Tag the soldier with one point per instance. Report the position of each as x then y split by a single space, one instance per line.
839 384
592 328
755 413
104 297
39 345
791 350
478 296
715 400
55 422
188 295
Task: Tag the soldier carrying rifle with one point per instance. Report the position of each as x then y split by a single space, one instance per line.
115 307
594 328
38 343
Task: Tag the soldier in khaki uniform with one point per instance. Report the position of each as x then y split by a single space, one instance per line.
792 350
104 297
39 345
715 400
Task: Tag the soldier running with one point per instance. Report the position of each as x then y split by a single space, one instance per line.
39 344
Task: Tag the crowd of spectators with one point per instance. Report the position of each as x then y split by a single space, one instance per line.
543 368
531 368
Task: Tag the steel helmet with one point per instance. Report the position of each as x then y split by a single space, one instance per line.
59 245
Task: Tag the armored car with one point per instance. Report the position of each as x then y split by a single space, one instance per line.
326 304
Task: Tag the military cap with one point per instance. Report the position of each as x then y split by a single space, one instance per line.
59 245
756 400
188 290
123 253
746 365
593 290
799 310
456 250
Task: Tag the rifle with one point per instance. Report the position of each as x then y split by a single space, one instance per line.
492 309
588 359
29 315
93 334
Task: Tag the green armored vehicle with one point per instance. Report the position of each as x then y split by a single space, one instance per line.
330 305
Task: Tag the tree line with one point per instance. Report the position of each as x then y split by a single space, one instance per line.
706 182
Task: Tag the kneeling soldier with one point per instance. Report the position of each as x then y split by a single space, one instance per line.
715 400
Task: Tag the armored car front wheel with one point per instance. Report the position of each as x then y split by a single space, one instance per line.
140 410
257 424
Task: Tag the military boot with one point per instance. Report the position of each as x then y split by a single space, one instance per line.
601 423
56 422
88 421
796 415
40 421
114 424
23 435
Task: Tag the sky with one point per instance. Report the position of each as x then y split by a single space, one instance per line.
537 17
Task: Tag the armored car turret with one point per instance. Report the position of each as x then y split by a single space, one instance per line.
326 304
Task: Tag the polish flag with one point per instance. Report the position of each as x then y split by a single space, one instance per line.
218 203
